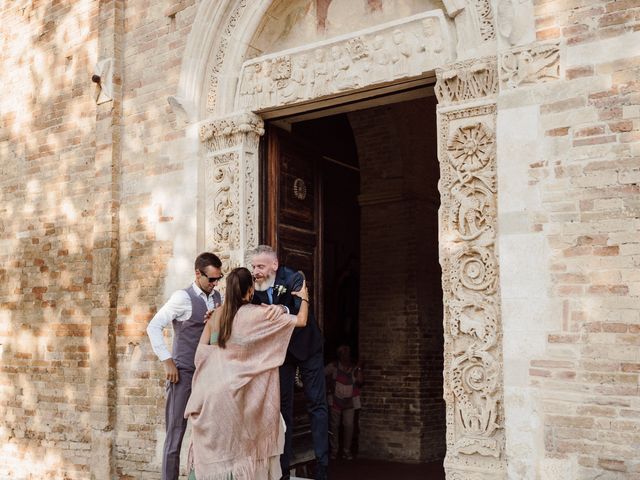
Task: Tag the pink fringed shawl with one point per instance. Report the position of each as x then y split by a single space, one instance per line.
234 406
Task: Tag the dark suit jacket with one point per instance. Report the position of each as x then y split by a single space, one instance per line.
307 340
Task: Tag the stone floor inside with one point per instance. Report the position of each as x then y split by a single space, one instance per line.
364 469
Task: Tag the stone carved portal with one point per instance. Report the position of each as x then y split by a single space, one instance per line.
467 154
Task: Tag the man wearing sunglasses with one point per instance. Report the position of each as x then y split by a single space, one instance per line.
185 310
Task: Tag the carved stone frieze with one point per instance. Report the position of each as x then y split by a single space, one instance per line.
229 132
470 279
531 65
221 52
376 55
251 205
223 210
467 81
485 17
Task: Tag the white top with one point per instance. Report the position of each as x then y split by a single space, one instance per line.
178 307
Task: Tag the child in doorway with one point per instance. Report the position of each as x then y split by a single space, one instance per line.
344 380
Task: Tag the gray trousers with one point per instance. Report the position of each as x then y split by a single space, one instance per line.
177 397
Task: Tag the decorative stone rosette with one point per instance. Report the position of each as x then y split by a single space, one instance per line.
473 359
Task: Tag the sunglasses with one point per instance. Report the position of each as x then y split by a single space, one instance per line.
211 279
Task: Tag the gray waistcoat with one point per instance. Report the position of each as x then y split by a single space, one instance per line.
186 334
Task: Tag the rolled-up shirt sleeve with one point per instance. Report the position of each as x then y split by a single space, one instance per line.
177 308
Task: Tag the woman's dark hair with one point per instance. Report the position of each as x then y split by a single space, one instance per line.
239 281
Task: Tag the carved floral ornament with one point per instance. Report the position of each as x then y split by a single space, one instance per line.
231 131
470 275
375 55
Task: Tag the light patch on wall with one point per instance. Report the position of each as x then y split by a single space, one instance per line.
73 244
33 186
69 393
24 340
69 210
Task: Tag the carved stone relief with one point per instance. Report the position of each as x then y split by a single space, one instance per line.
466 81
474 22
223 210
250 196
527 66
375 55
103 73
470 273
231 185
221 53
515 21
231 131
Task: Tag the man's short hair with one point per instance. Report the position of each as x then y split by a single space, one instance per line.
207 259
260 249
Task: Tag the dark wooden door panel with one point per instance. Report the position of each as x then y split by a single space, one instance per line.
293 205
292 202
297 190
297 251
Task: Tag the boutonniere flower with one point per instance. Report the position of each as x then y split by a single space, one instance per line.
279 289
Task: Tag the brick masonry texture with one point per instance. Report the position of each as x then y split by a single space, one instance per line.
87 241
589 182
400 318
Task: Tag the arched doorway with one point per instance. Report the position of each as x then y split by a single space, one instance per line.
229 96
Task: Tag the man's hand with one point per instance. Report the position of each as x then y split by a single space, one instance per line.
274 311
171 370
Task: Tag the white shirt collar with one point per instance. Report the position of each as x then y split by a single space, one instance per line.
199 291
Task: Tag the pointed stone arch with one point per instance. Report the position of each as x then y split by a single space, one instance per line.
223 106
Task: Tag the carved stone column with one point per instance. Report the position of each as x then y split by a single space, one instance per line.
472 328
231 185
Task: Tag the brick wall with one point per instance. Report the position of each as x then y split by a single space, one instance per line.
589 184
47 151
53 403
584 174
158 199
400 294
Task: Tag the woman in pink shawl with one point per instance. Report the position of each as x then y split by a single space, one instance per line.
234 408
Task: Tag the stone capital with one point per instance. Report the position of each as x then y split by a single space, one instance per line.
232 131
467 81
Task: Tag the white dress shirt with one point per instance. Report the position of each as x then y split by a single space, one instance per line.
178 307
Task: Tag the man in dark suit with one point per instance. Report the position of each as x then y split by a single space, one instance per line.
273 285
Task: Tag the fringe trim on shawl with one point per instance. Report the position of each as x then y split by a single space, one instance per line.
243 470
239 468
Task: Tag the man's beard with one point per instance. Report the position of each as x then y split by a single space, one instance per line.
264 284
